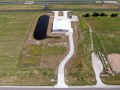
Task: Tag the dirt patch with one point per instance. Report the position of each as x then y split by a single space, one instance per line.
75 29
60 13
108 6
114 61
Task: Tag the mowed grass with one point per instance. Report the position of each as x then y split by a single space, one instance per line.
106 33
34 76
21 7
56 51
29 65
22 0
31 54
35 66
79 69
106 38
13 30
83 7
78 7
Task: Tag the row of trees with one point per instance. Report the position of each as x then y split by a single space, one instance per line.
96 14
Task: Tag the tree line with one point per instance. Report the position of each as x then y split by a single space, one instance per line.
96 14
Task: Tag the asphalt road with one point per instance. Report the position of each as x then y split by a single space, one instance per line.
49 88
53 2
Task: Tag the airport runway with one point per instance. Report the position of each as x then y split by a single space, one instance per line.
53 2
51 88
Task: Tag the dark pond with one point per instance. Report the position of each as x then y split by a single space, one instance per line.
41 28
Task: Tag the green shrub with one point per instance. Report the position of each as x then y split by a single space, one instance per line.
96 14
114 15
86 15
103 14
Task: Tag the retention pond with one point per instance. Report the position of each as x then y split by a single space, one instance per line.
41 28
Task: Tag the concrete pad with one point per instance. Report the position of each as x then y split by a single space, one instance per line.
56 13
29 2
65 14
74 18
98 68
110 2
61 82
98 1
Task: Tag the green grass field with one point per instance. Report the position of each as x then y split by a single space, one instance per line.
29 65
106 35
21 7
35 65
13 30
76 7
106 29
79 69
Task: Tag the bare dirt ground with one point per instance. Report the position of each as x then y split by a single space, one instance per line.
107 6
60 13
114 61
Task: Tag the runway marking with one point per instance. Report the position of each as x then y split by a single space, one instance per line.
98 1
29 2
110 2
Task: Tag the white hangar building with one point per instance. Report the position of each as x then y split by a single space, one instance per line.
61 23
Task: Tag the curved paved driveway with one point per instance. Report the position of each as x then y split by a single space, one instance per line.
61 79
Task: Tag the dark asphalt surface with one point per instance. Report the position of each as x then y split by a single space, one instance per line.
55 2
80 2
59 88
